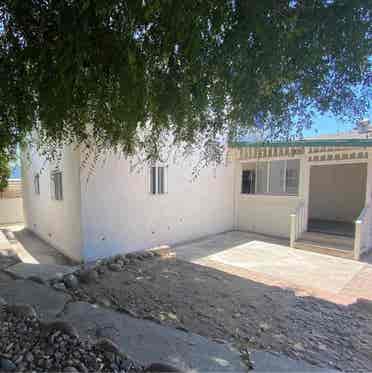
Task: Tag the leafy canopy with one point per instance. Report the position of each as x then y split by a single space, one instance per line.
133 70
4 172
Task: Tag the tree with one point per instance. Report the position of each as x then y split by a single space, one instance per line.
4 172
124 72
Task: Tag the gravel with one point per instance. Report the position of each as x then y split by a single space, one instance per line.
26 344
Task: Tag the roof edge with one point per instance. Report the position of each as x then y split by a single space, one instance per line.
304 143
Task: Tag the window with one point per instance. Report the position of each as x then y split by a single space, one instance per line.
292 176
262 168
157 179
275 177
37 184
56 185
248 181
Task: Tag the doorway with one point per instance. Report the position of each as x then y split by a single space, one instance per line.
337 194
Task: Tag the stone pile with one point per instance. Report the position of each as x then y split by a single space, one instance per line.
28 344
90 272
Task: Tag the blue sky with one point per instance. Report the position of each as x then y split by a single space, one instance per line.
324 124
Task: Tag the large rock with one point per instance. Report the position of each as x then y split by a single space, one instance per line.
46 301
45 272
148 342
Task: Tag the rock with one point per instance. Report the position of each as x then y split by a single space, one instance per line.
29 357
160 368
22 310
61 326
37 279
264 326
299 346
71 281
105 302
70 369
106 345
88 276
59 286
2 302
115 267
7 365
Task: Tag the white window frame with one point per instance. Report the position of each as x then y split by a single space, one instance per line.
37 184
56 195
156 189
285 194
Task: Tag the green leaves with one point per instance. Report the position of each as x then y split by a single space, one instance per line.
194 68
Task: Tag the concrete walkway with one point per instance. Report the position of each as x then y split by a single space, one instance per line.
31 249
273 262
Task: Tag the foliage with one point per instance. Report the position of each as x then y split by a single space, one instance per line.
4 171
122 73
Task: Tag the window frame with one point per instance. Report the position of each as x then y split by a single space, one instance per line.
268 175
158 179
56 178
37 184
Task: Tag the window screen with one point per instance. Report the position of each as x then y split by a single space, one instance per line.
153 180
56 186
292 176
262 168
276 178
157 180
248 181
161 180
37 184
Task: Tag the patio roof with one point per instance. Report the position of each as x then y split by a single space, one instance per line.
305 143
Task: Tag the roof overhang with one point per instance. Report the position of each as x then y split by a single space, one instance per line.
305 143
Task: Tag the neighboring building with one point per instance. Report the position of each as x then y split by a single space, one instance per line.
281 189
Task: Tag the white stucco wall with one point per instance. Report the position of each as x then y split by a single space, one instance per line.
11 210
120 215
57 222
337 192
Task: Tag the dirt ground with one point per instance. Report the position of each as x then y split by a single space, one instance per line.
250 314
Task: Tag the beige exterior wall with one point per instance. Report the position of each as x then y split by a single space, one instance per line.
337 192
57 222
11 210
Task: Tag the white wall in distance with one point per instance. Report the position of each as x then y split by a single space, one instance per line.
57 222
120 214
11 210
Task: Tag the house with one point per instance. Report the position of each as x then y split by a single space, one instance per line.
315 192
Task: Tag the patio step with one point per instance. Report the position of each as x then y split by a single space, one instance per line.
326 244
328 239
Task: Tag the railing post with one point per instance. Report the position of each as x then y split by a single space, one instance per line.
357 239
293 230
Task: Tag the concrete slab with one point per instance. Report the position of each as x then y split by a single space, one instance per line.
4 243
263 361
260 254
45 272
31 249
46 301
148 342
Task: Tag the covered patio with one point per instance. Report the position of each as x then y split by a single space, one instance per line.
316 192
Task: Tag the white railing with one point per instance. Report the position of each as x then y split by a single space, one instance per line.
362 232
298 223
